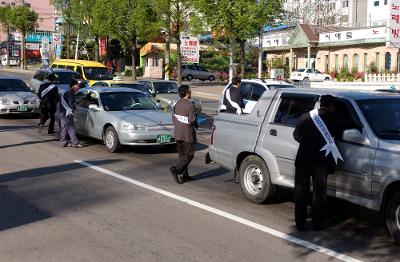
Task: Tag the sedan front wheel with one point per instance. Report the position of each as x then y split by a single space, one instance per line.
111 140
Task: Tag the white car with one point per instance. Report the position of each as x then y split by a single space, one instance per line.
309 75
252 90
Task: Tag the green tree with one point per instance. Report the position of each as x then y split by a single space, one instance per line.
239 21
67 9
131 22
6 22
25 21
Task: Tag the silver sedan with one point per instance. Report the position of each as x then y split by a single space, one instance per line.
16 97
122 116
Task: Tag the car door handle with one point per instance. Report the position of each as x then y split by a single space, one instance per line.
273 132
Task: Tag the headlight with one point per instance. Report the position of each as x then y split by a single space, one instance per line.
35 101
5 101
134 127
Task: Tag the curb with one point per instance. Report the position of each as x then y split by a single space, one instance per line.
206 95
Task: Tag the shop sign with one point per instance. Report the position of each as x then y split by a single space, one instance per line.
348 35
190 49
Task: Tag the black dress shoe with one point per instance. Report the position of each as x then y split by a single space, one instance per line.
178 178
187 178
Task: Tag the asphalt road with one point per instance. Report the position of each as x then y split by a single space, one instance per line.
127 207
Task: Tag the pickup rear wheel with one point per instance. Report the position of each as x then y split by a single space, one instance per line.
393 217
255 181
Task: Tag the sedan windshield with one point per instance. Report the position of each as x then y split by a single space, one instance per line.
121 101
139 87
166 87
383 115
97 73
65 77
13 85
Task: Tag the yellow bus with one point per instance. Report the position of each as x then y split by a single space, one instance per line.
91 71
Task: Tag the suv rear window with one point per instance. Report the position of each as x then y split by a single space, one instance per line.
291 108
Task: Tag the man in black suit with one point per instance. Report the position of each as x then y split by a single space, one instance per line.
233 99
48 94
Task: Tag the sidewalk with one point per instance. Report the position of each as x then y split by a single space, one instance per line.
207 92
30 71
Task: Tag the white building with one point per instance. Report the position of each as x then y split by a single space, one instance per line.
347 13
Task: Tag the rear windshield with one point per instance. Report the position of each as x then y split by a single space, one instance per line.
166 87
65 77
13 85
97 73
300 70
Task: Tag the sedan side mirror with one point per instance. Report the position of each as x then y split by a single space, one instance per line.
355 136
94 107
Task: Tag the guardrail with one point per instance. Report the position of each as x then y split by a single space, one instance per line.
382 78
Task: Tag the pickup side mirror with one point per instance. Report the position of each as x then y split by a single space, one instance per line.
94 107
153 94
355 136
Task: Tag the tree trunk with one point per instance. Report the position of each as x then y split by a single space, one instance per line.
68 39
242 58
96 49
8 47
178 60
133 57
167 67
230 60
22 55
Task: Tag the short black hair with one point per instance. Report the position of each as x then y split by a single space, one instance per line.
73 82
183 90
51 77
327 101
236 81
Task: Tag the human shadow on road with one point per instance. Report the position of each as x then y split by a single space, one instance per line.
208 174
28 143
36 194
14 128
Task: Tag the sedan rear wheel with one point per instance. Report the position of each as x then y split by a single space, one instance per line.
111 140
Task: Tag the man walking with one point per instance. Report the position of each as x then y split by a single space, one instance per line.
65 113
317 157
185 123
48 94
233 99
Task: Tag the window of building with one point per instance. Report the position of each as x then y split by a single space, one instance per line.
377 59
292 107
155 62
146 62
355 62
336 63
388 61
385 2
27 5
376 3
345 62
365 62
345 4
332 6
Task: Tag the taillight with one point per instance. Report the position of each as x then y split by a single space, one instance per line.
212 135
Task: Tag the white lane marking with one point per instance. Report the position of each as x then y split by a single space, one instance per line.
227 215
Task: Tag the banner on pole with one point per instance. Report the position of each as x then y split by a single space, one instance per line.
103 46
190 49
394 24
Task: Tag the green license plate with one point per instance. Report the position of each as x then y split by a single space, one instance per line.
22 108
161 139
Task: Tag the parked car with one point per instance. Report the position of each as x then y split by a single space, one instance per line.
63 76
190 72
91 71
166 94
252 90
122 116
16 97
309 75
261 148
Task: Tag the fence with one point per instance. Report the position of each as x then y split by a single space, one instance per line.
382 77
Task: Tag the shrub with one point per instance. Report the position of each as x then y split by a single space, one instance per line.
222 76
359 75
128 72
372 68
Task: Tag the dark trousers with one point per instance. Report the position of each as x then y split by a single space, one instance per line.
318 171
185 156
45 114
68 131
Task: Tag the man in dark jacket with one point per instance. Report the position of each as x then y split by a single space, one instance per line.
317 157
185 123
65 113
233 99
48 94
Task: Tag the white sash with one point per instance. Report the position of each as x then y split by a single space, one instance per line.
68 110
48 89
330 146
182 119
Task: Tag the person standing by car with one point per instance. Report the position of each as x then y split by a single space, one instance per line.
233 99
65 113
185 123
317 157
48 94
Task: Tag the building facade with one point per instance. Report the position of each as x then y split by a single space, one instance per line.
330 49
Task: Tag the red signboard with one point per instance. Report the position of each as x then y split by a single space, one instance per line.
103 46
